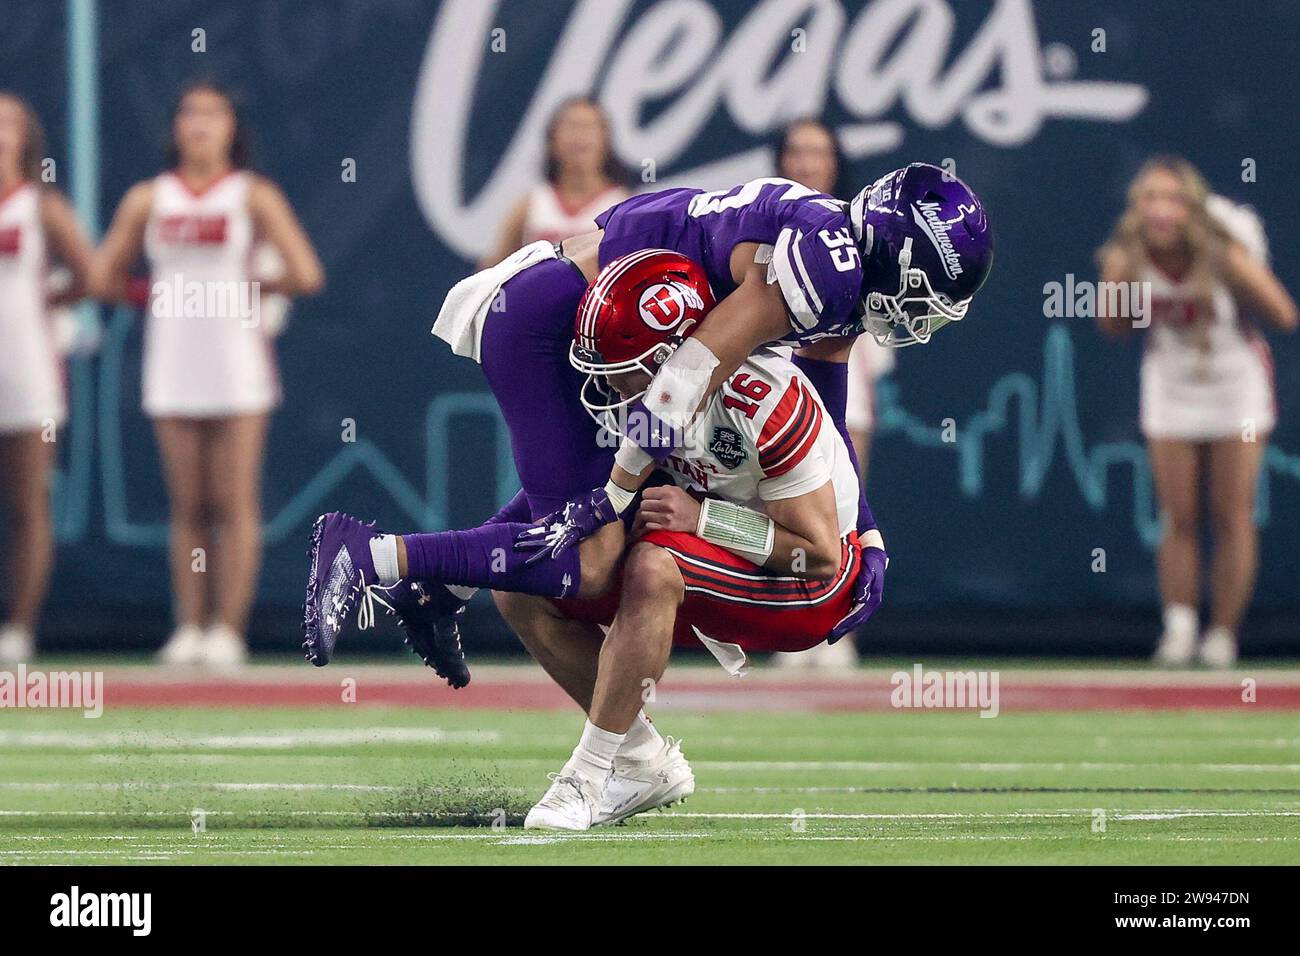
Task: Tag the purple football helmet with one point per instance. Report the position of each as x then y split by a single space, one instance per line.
926 250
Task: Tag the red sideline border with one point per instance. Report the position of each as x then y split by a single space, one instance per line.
1021 693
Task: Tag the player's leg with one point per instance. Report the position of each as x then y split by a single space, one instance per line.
524 352
233 473
25 461
632 657
568 650
636 649
525 356
180 445
1175 469
650 771
1234 475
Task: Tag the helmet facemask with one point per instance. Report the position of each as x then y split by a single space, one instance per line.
915 312
604 403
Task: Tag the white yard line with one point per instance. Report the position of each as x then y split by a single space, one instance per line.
1009 815
795 766
281 740
682 814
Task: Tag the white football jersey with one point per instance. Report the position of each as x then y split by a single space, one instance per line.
765 436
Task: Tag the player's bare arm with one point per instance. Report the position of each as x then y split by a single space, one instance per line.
752 315
806 539
828 350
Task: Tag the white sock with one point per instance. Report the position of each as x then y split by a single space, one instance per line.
593 758
1180 619
643 739
383 551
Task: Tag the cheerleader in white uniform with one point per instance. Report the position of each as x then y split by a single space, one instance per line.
1207 389
583 179
37 225
210 379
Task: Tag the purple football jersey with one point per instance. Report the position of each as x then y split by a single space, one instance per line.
815 260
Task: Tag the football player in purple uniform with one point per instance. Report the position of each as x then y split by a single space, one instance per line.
787 265
793 267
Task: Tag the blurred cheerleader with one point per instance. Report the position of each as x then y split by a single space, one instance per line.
583 179
210 380
37 225
1207 403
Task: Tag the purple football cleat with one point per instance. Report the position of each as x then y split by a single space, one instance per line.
341 572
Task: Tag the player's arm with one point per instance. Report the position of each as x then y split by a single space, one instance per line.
275 219
770 299
110 267
752 315
1254 282
796 536
825 365
69 244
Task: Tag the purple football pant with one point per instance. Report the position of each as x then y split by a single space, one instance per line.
525 357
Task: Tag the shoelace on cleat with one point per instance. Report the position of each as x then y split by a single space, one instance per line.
559 797
369 594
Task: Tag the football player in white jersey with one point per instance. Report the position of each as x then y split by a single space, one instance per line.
37 226
210 380
1207 392
582 179
752 547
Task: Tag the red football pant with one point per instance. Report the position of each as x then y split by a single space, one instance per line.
734 600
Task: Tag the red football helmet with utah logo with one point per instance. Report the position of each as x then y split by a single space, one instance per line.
637 311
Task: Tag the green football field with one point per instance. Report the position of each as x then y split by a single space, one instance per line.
414 785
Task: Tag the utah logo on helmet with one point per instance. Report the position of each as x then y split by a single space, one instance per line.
664 304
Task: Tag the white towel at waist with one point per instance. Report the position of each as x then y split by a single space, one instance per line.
460 320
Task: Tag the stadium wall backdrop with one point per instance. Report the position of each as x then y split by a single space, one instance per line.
445 134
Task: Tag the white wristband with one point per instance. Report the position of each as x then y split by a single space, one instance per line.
619 496
632 458
740 530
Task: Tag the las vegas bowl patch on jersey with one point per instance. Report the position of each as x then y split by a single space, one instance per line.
728 447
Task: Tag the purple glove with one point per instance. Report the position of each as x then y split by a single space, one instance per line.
562 529
868 592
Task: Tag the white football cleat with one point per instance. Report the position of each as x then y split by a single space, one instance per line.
223 647
185 646
640 785
1176 648
1219 648
570 804
16 644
